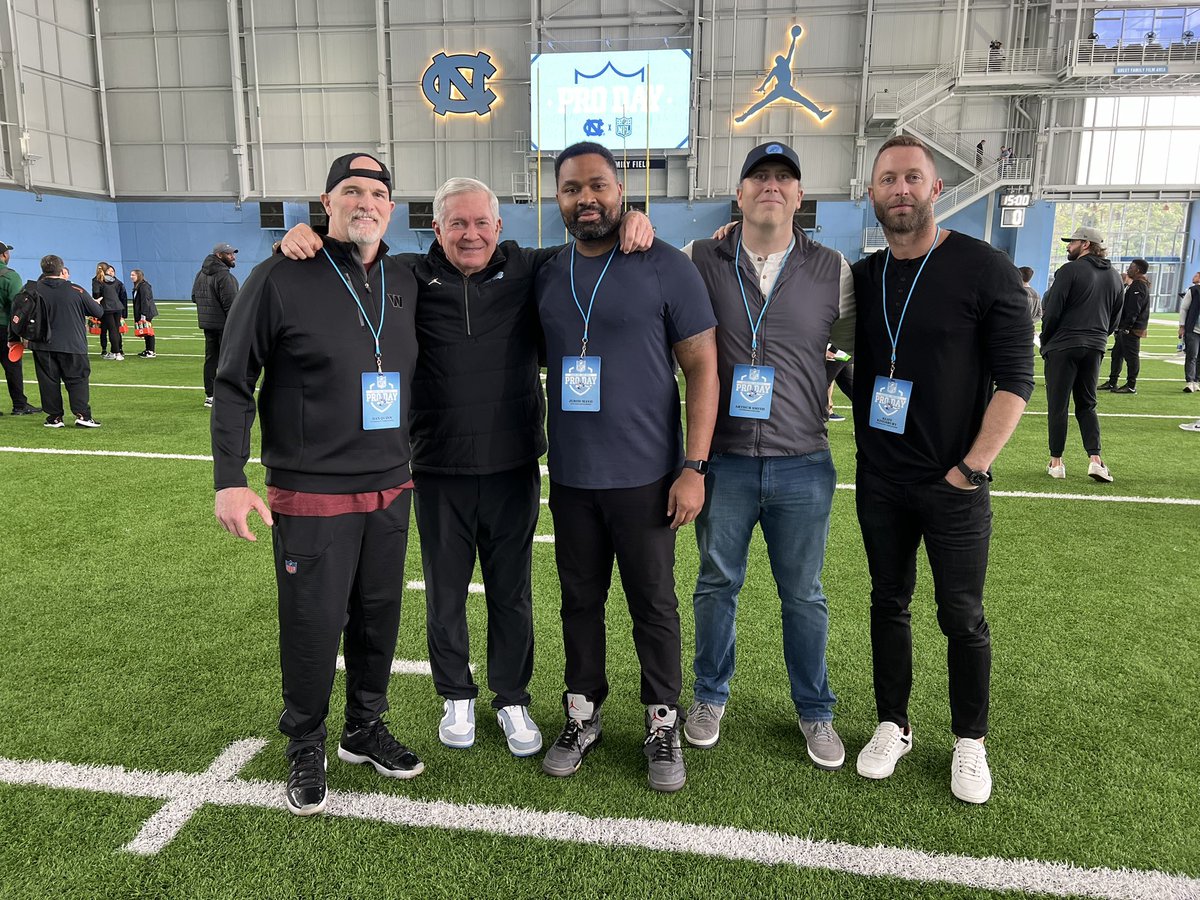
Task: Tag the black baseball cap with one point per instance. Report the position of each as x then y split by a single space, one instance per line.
340 171
4 248
772 152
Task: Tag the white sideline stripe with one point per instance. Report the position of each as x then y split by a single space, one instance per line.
543 470
1104 415
400 666
472 588
1103 498
478 588
766 848
157 387
543 538
161 828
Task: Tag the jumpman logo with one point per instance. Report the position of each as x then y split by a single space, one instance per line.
781 74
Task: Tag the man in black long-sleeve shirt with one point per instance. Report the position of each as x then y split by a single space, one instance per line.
1127 340
942 320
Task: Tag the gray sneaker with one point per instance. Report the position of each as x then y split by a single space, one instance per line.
824 746
578 737
662 748
703 725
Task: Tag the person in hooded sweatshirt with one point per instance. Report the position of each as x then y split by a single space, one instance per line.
108 289
213 292
1079 312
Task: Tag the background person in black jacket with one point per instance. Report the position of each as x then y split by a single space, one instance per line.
213 292
1079 312
144 308
477 434
1127 341
63 359
109 290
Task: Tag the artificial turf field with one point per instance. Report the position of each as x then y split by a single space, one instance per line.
140 635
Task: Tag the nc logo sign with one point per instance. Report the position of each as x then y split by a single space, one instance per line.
449 88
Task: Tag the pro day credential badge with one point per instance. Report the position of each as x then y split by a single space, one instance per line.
889 405
581 384
752 390
380 400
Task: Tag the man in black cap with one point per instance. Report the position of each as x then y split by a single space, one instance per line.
213 292
778 296
10 286
1079 312
335 340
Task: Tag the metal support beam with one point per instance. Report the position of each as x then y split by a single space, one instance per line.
105 137
240 149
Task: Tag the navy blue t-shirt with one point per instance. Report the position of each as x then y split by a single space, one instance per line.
646 304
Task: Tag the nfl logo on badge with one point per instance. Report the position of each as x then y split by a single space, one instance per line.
290 566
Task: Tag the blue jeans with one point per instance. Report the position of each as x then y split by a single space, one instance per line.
790 498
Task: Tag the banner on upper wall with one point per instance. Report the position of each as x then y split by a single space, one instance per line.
626 100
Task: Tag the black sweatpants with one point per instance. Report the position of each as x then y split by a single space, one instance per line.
495 515
339 577
56 369
1127 349
591 528
15 376
110 332
212 355
1072 373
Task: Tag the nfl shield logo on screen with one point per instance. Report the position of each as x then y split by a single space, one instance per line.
624 126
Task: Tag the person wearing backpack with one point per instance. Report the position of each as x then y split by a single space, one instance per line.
144 310
10 286
62 357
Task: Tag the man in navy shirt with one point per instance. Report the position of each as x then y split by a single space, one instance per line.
620 485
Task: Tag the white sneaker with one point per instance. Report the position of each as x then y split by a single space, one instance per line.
970 779
889 742
1099 471
1191 426
1059 471
119 357
522 734
457 728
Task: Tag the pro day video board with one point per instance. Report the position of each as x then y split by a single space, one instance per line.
623 99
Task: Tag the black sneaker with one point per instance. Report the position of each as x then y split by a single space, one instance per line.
86 422
306 792
1107 386
27 411
371 742
662 748
1125 389
53 422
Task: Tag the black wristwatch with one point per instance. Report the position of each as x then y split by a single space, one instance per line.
976 478
700 465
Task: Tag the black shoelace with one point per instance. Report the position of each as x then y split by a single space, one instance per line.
664 745
570 735
308 769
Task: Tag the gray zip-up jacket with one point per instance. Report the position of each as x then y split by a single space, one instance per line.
811 306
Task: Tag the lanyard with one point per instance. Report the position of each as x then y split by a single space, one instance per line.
754 325
375 332
587 316
886 324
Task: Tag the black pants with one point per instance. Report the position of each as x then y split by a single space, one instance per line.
15 376
149 339
1127 348
339 578
591 527
956 526
1072 373
110 332
212 354
56 369
495 515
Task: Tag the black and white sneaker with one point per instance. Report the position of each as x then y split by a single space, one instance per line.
53 422
86 422
306 792
371 742
208 402
27 410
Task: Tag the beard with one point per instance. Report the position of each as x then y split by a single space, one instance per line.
609 221
1073 255
919 219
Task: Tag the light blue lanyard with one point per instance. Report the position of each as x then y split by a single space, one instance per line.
587 316
754 325
375 332
886 324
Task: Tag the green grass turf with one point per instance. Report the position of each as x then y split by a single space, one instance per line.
139 634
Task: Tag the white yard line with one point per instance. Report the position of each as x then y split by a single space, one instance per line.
403 666
188 792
